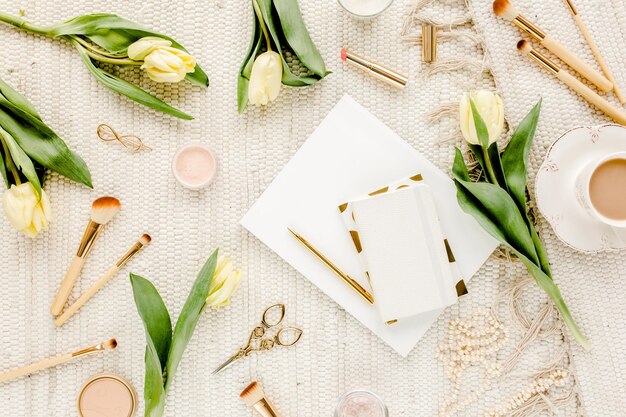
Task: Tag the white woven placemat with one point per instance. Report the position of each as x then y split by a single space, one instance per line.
336 353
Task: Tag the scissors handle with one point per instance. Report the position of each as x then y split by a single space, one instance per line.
285 339
268 321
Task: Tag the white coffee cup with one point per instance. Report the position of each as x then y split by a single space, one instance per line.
584 196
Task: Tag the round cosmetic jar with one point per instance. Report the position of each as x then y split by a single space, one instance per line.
107 395
194 166
361 403
365 8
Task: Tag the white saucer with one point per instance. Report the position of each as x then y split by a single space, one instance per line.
555 186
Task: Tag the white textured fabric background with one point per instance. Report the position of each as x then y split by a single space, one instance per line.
336 353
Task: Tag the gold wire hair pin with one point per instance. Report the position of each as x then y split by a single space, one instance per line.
107 134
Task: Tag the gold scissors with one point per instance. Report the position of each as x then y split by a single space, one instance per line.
285 336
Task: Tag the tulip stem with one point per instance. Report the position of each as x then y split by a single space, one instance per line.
94 54
9 162
114 61
90 46
489 167
23 24
259 15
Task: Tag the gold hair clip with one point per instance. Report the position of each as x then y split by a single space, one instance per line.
107 134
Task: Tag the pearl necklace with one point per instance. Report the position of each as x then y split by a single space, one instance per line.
473 342
557 378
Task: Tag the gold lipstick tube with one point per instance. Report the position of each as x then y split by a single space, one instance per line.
385 74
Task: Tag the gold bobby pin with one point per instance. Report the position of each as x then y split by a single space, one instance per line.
107 134
347 278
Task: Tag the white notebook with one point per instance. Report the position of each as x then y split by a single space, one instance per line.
404 252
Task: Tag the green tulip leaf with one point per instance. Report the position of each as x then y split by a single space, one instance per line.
154 391
17 99
154 314
481 128
128 89
3 169
459 169
21 160
501 209
246 67
189 316
298 37
158 328
515 156
41 144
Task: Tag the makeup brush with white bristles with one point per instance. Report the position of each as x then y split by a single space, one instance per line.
102 211
49 363
573 83
103 280
254 397
508 11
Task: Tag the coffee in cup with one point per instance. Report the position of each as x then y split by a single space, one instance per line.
602 191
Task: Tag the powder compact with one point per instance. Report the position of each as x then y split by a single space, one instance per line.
107 395
194 166
361 403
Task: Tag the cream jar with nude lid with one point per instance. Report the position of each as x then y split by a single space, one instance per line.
194 166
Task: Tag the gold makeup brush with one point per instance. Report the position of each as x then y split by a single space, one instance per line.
573 83
108 275
596 51
102 211
254 397
507 11
49 363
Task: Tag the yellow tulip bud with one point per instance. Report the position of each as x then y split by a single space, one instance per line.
265 78
139 49
490 107
168 65
225 281
162 62
26 211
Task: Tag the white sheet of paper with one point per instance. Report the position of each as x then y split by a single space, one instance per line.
348 155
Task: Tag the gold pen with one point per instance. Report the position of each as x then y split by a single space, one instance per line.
347 278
